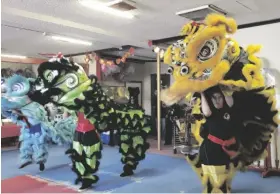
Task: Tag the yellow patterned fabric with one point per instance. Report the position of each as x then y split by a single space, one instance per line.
214 179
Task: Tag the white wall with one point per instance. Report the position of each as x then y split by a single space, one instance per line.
268 37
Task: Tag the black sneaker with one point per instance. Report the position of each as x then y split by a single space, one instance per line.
127 171
77 181
25 164
70 151
124 174
86 183
42 166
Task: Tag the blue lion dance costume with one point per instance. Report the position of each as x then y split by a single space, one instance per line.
36 130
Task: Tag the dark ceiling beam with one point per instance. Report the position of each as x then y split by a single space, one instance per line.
114 57
146 58
96 51
112 49
242 26
77 54
121 48
261 23
107 50
135 55
149 61
165 40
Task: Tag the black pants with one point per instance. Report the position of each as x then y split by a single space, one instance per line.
168 131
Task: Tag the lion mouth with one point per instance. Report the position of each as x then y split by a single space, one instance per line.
169 99
171 96
77 92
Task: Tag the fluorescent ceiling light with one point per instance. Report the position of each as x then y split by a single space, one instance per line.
71 40
104 8
13 56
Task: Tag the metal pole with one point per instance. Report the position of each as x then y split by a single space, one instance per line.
158 102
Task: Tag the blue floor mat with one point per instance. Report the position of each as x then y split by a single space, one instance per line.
156 174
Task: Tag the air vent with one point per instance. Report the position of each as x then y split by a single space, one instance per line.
122 5
199 13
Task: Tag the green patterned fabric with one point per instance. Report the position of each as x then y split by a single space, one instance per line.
85 154
65 83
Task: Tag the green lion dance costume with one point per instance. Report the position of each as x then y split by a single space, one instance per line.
236 114
66 84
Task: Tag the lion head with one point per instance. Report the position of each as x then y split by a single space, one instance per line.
202 58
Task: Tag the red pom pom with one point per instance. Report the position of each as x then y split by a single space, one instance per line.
60 55
150 43
131 50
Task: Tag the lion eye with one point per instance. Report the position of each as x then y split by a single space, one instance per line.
170 70
184 70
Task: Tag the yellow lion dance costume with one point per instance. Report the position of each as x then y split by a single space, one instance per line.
208 60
